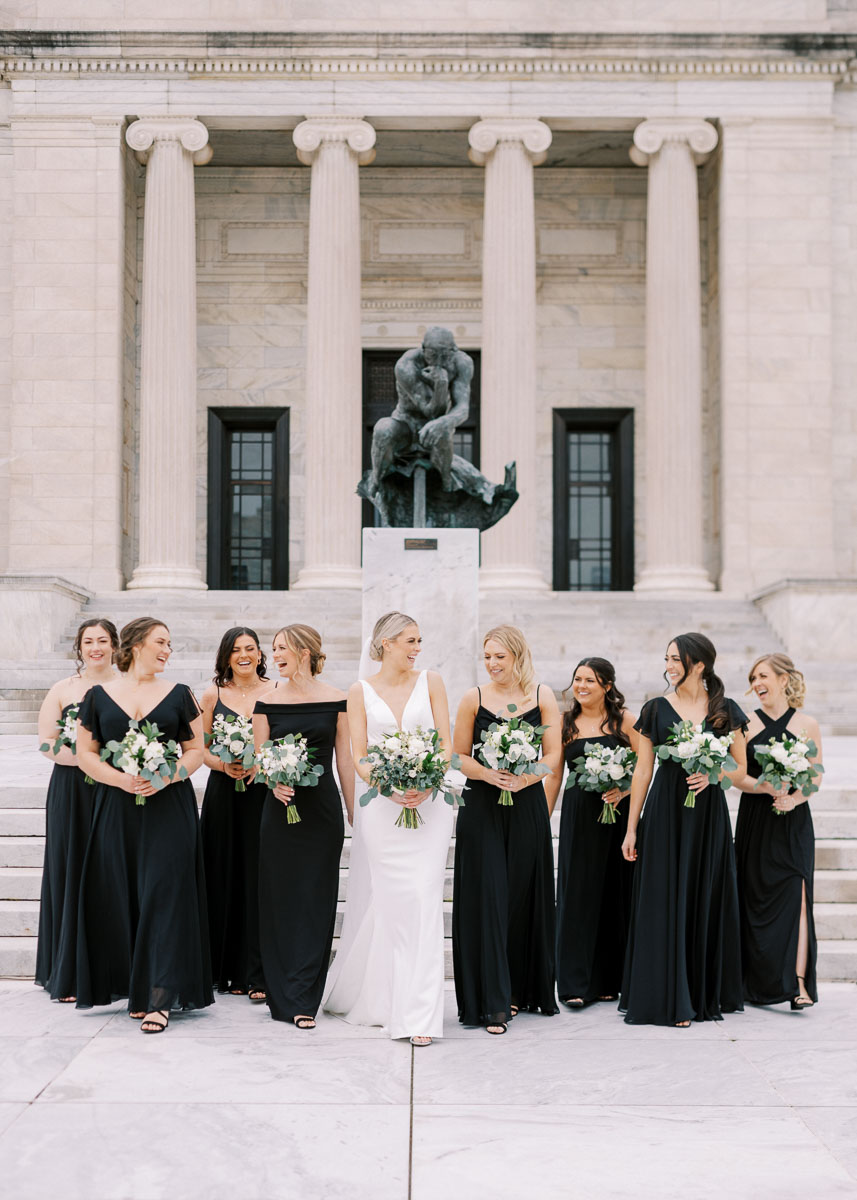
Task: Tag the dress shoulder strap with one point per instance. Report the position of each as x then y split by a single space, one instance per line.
479 692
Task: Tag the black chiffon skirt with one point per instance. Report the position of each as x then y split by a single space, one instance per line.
776 858
503 918
229 828
143 924
68 818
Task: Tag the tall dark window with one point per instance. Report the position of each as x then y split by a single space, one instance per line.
379 400
248 489
593 500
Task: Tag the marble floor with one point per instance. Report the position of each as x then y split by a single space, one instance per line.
227 1104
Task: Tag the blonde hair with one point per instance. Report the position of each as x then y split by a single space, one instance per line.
304 637
514 641
389 626
781 664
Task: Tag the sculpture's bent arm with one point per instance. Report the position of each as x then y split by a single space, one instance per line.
460 390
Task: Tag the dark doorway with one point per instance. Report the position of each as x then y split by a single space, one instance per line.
593 499
379 400
248 499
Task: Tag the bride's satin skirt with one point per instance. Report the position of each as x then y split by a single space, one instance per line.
389 968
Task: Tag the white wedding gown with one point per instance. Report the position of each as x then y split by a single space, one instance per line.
388 969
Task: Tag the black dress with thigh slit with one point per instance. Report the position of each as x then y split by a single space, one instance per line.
593 892
775 855
68 817
683 961
229 827
503 916
143 925
299 868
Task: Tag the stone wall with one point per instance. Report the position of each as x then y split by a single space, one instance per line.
844 449
5 322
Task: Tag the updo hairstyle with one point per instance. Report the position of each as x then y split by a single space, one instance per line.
781 664
134 634
511 638
304 637
389 626
108 627
222 668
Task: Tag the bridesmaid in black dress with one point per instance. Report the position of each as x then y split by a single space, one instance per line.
299 863
68 813
503 919
143 926
684 958
593 896
775 853
230 822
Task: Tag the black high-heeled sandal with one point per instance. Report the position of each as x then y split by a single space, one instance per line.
798 1003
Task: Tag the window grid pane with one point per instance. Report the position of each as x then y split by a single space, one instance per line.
251 493
590 504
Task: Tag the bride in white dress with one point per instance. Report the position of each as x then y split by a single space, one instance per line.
389 968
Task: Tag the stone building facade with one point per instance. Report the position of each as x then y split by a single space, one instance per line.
646 230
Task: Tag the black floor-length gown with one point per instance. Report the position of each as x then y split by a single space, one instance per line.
143 924
503 916
593 894
299 868
775 855
68 817
683 961
229 828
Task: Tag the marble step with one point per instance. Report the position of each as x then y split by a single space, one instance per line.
20 883
22 852
835 854
835 887
835 922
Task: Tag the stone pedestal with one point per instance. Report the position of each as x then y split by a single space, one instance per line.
672 149
335 147
437 586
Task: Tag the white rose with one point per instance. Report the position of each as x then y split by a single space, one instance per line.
778 752
615 770
236 747
686 750
593 765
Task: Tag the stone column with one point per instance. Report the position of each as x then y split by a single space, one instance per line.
672 148
170 146
509 148
335 148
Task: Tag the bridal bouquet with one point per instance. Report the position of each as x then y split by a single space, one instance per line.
513 746
231 740
409 760
143 752
698 751
785 762
600 769
288 760
66 735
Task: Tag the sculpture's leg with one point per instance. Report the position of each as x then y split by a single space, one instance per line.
389 437
441 460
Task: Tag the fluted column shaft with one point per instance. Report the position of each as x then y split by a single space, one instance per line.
335 147
675 557
167 464
509 148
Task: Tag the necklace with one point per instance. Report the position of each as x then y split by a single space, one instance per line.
244 691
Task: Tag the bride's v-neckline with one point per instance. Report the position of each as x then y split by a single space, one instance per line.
378 696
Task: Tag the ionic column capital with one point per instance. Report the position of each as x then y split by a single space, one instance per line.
485 136
356 133
699 136
191 134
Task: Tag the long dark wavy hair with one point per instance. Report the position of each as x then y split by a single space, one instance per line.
90 623
222 669
696 648
614 701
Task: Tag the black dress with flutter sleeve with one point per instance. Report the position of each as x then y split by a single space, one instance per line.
68 817
593 889
299 867
683 961
775 854
143 924
229 827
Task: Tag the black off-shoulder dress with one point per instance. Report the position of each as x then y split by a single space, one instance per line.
683 961
143 924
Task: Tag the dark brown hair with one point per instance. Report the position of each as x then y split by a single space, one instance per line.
134 634
697 648
614 702
222 669
91 622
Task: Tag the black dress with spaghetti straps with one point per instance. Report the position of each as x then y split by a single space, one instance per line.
143 928
229 827
503 917
299 867
68 818
683 961
775 855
